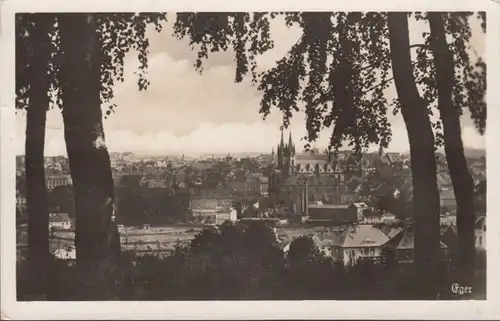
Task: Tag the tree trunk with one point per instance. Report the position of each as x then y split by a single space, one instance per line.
457 164
97 240
36 189
423 169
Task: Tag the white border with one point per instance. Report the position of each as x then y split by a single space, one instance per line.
240 310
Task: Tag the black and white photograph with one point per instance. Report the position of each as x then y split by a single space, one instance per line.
250 156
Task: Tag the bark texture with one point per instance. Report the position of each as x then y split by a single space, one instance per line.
97 240
461 178
36 189
423 162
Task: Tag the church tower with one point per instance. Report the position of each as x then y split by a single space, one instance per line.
281 152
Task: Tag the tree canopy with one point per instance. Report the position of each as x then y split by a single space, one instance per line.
338 72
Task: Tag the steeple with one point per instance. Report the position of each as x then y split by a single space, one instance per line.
290 143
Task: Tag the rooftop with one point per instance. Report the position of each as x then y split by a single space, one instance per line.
59 217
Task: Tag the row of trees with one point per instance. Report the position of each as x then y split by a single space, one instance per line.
245 262
343 62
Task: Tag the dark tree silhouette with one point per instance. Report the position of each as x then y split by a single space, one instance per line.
451 97
93 47
302 249
33 53
86 62
421 136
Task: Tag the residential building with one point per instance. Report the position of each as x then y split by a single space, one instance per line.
59 221
255 184
226 215
389 218
390 231
153 183
401 248
54 181
372 217
207 202
354 244
67 252
480 232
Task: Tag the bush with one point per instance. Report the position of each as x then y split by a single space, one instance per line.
245 262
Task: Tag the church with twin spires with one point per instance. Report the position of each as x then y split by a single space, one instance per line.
290 163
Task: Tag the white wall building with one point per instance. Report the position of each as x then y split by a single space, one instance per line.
480 233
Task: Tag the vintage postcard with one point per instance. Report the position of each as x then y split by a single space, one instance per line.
249 160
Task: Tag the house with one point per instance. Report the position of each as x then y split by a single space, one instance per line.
371 217
390 231
480 233
401 247
357 243
152 183
393 159
359 208
68 252
264 185
227 215
59 221
389 218
54 181
210 200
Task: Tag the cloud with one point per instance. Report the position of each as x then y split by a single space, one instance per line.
185 111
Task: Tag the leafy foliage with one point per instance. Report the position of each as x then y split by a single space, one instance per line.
339 69
469 88
120 33
248 35
25 58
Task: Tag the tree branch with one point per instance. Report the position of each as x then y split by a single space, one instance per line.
390 79
420 45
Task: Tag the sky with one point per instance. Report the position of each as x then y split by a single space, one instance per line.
185 112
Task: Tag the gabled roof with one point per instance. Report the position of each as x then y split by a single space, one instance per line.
480 221
364 236
390 231
405 240
394 157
